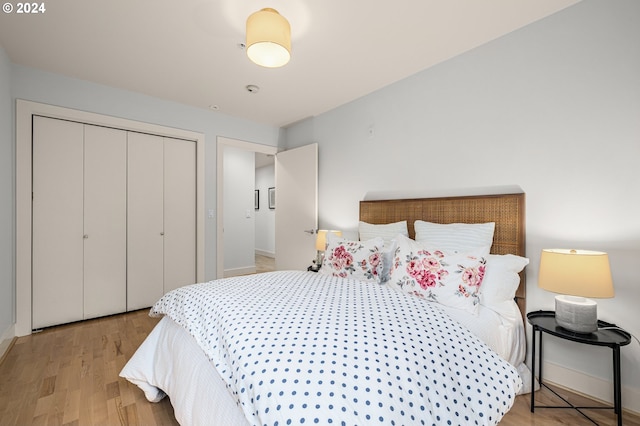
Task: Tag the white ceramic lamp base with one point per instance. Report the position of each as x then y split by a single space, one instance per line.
577 314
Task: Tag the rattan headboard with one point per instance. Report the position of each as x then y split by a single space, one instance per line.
506 210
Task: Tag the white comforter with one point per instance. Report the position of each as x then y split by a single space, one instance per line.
300 347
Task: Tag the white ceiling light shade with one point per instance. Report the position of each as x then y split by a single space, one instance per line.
268 38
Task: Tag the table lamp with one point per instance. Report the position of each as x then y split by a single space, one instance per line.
576 274
321 243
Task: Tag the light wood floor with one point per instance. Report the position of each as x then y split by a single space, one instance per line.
265 264
68 375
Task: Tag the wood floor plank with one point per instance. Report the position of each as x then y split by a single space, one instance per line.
72 407
68 376
56 414
130 415
43 406
48 386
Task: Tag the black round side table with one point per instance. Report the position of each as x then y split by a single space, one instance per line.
607 334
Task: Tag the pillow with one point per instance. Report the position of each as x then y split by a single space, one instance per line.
387 232
361 260
455 237
451 279
501 281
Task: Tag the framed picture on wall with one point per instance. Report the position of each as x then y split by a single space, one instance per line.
256 200
272 198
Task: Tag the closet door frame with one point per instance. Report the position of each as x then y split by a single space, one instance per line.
25 110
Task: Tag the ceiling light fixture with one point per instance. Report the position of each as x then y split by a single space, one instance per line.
268 38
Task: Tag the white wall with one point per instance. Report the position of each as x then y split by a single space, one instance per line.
7 183
239 215
265 217
38 86
554 108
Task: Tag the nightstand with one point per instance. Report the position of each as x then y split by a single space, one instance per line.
545 322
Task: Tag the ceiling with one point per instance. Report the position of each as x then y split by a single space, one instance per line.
188 51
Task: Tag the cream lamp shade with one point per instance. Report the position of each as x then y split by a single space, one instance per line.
268 38
321 244
576 275
321 238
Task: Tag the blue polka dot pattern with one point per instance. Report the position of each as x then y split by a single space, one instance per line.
305 348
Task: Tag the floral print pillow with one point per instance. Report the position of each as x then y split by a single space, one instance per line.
361 260
451 279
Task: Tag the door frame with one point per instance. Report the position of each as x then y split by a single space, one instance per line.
221 143
25 110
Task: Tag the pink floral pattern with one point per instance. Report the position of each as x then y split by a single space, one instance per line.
353 259
425 268
450 279
341 260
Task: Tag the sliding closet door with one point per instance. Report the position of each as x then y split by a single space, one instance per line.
179 213
144 220
105 223
57 248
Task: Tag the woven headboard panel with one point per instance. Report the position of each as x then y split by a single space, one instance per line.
506 210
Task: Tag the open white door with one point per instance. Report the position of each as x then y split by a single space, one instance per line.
297 207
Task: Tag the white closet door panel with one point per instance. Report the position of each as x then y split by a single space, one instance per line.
105 223
179 213
57 249
144 220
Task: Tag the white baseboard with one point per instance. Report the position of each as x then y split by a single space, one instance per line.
6 339
265 253
591 386
239 271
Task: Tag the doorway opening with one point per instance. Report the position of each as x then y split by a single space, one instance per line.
242 211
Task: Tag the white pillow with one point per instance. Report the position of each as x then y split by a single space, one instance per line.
501 281
451 279
387 232
455 237
361 260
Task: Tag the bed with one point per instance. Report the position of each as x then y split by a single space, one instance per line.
296 347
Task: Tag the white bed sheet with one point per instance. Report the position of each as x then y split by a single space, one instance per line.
501 334
170 362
